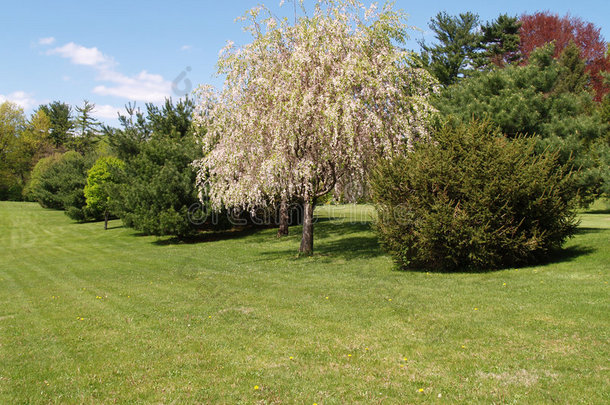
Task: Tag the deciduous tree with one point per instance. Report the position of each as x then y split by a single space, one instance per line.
12 124
105 173
306 105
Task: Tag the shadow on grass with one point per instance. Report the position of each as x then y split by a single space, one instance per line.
584 230
565 255
336 239
355 247
568 254
605 211
210 236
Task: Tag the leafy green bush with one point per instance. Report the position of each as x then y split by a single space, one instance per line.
103 175
58 182
33 185
473 199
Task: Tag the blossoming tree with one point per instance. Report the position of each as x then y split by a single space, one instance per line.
308 104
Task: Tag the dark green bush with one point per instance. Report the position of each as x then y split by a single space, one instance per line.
473 199
58 181
156 192
158 188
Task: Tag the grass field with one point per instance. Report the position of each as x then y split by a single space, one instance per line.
94 316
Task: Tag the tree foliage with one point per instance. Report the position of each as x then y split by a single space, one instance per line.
157 187
542 28
500 42
473 199
12 123
543 99
86 129
22 143
58 182
60 115
455 53
103 175
464 46
308 105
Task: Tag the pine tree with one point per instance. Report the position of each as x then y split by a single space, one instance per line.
62 123
86 129
455 54
500 42
573 77
539 100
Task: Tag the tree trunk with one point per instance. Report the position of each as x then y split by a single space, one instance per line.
105 220
283 229
307 239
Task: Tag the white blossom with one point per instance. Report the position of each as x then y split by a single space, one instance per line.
309 105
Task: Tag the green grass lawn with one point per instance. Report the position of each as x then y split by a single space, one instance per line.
94 316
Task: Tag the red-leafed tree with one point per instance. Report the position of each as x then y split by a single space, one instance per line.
543 27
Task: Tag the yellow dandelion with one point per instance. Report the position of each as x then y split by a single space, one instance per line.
421 390
326 297
256 387
291 358
366 348
389 299
476 309
463 347
210 317
82 319
349 355
503 283
405 359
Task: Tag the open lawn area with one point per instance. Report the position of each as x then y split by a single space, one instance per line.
94 316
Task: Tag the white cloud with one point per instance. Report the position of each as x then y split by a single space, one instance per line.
144 86
21 98
80 55
106 111
46 41
185 47
141 87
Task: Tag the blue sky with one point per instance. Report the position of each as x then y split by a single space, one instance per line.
114 52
